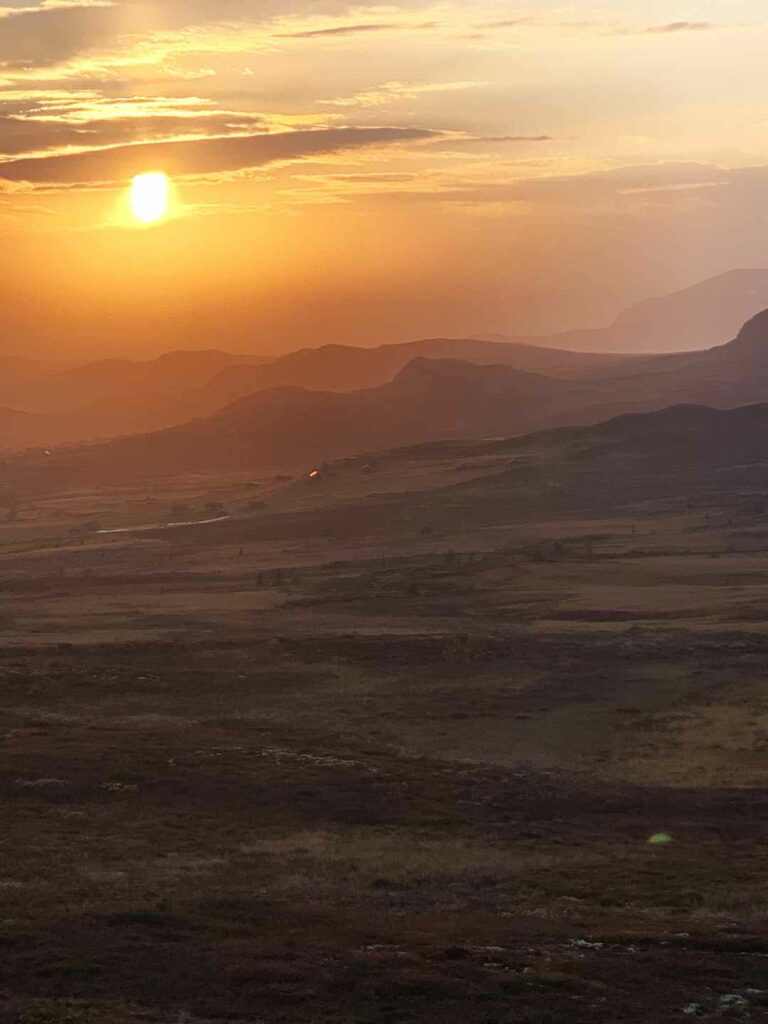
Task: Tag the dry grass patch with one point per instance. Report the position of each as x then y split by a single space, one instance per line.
360 859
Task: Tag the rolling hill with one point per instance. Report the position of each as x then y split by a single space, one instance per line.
345 368
117 397
681 458
292 428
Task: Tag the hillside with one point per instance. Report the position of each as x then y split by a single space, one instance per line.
731 374
293 428
630 458
689 458
19 429
692 451
344 368
116 397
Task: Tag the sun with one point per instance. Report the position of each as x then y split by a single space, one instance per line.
149 196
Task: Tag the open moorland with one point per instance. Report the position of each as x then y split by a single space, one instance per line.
389 744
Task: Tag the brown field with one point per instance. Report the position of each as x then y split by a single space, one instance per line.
324 762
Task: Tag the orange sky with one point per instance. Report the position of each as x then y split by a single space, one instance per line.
369 172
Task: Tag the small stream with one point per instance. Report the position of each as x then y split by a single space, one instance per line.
163 526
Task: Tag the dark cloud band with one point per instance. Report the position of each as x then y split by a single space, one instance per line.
202 156
20 136
680 26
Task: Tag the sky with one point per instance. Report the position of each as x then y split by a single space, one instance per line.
367 172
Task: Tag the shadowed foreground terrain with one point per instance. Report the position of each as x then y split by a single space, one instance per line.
389 745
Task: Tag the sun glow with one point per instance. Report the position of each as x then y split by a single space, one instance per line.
149 196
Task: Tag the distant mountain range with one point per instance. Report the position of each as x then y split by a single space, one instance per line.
317 403
117 396
345 368
46 388
694 318
732 374
288 427
295 429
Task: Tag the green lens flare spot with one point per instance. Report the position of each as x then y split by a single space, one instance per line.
659 838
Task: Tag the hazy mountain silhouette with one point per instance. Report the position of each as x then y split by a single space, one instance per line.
94 385
18 371
295 428
20 429
428 399
732 374
115 397
122 397
345 368
721 376
627 463
693 318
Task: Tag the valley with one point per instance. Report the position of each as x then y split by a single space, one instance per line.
383 512
399 393
377 747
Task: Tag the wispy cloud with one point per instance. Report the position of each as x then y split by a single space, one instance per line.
350 30
507 138
41 35
564 21
47 6
198 157
41 137
37 124
594 190
391 92
680 26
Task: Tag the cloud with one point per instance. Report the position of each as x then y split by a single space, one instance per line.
596 186
604 27
27 136
680 26
345 30
451 142
52 5
33 123
202 156
46 34
605 196
591 191
507 138
391 92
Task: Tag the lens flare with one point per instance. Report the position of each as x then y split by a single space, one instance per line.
149 196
